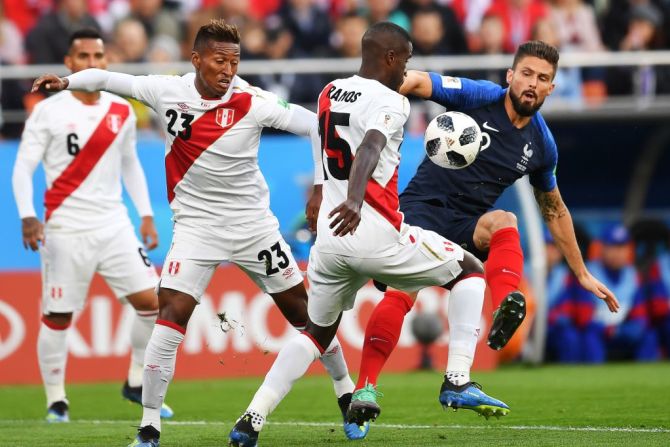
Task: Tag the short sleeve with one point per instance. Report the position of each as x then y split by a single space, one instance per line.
463 93
270 110
388 115
544 178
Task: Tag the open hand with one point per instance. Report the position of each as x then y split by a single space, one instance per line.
347 217
591 284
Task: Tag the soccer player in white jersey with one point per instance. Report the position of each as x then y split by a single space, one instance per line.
220 200
86 143
361 233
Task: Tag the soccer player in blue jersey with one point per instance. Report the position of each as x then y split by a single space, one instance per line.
457 204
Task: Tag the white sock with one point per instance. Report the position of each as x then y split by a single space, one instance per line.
333 361
464 313
291 364
140 333
159 362
52 358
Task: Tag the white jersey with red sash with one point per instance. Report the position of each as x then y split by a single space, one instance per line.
348 108
81 147
211 158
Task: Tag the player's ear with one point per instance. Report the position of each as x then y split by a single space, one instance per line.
390 57
508 77
195 60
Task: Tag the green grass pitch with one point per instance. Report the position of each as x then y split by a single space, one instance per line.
611 405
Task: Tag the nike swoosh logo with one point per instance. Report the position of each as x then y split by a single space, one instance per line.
378 339
511 273
486 126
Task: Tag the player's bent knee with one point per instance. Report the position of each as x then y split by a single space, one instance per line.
175 306
503 219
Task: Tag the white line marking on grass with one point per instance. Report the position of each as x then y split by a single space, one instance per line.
376 425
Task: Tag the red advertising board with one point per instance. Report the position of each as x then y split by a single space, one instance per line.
245 345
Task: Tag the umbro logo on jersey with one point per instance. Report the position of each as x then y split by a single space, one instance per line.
182 106
114 122
225 117
486 126
173 267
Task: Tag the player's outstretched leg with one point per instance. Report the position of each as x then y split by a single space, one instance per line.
464 313
292 362
507 319
503 275
470 396
381 337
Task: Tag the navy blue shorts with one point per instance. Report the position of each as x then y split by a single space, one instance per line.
431 214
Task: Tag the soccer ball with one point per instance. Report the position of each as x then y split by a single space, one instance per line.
452 140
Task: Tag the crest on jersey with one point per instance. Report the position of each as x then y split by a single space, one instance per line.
114 122
224 117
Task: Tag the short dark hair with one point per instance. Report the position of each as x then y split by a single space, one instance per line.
387 28
85 33
538 49
217 30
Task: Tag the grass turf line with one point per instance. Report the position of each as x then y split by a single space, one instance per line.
552 406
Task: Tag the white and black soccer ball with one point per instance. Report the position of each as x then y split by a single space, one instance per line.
452 140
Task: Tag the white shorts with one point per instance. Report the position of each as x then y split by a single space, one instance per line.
425 259
258 248
70 260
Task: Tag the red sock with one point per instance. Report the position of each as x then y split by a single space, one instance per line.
381 335
505 264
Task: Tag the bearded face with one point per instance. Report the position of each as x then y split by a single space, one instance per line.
530 82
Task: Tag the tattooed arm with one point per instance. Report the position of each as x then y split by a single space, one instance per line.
559 221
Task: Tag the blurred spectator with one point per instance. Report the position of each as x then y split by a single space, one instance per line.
471 15
255 9
163 49
297 88
428 36
519 19
567 81
155 19
309 26
25 13
453 32
626 334
615 23
562 334
490 41
130 41
47 42
576 26
644 33
11 41
346 40
385 11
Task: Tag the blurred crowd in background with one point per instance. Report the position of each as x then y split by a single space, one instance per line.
37 31
635 265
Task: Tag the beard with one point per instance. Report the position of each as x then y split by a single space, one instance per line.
521 108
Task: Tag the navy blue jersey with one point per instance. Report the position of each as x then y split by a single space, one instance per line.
507 153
